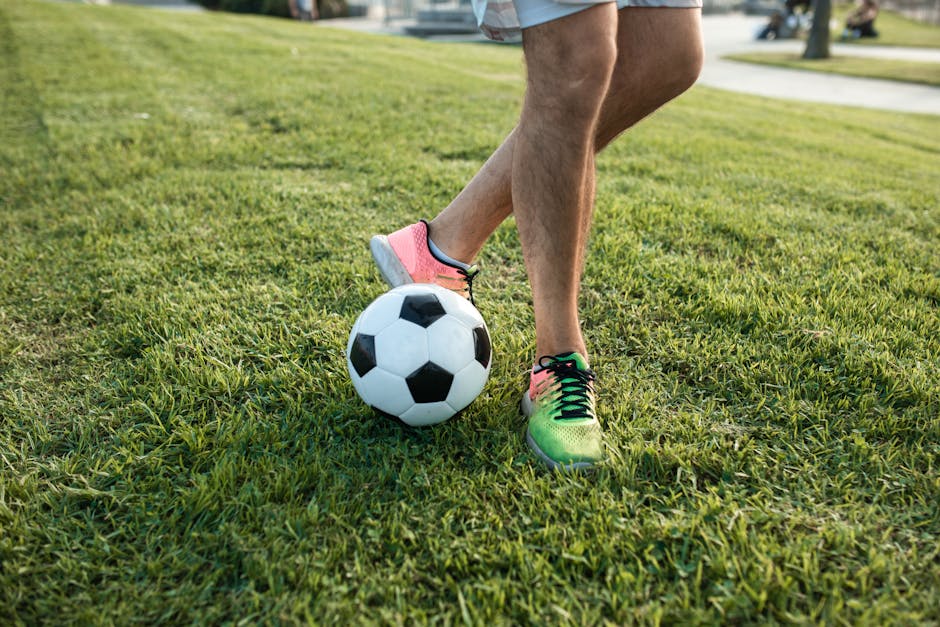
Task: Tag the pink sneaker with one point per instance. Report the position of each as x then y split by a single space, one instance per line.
404 257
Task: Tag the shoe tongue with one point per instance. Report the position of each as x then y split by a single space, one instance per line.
576 358
579 361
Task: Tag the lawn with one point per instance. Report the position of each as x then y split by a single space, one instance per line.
889 69
186 203
893 29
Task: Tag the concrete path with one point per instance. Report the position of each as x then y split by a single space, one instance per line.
727 34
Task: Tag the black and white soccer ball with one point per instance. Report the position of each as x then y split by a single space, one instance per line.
420 353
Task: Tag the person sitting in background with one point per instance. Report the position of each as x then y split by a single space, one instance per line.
773 27
861 21
786 24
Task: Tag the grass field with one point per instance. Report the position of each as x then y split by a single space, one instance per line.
186 201
893 29
889 69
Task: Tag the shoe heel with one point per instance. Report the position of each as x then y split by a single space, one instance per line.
388 263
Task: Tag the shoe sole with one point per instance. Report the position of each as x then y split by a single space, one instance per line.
527 409
390 266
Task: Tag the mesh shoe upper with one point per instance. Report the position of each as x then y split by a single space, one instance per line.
410 247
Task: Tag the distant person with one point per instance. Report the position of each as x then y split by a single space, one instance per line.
303 10
786 24
861 21
775 27
308 10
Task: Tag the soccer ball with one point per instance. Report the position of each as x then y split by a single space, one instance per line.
420 353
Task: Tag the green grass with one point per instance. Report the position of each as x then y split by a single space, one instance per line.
890 69
893 29
186 201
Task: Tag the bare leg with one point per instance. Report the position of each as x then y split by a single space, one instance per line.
466 223
569 63
659 56
647 75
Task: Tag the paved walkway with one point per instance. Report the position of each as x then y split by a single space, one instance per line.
727 34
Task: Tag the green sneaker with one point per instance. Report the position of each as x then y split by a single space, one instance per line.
563 430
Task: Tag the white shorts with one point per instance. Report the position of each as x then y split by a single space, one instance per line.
504 20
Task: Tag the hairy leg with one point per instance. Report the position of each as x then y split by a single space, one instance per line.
569 65
659 56
647 74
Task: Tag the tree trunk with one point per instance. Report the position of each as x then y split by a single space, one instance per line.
817 44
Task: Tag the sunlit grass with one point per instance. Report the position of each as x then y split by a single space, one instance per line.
186 202
889 69
893 29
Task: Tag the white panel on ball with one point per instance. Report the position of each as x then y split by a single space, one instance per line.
401 348
450 344
467 385
362 388
424 414
385 391
462 309
382 312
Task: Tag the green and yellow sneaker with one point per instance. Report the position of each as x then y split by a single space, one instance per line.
563 430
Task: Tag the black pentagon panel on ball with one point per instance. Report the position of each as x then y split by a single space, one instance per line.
362 353
422 309
481 343
429 384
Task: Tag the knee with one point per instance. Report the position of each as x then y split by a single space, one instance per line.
641 85
591 66
687 66
578 80
661 76
678 70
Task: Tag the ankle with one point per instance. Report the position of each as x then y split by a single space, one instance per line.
446 248
443 257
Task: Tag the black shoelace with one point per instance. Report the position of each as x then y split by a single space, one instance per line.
575 386
468 275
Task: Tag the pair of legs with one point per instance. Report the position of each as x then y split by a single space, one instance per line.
590 76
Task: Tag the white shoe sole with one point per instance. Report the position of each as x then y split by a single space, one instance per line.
388 263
